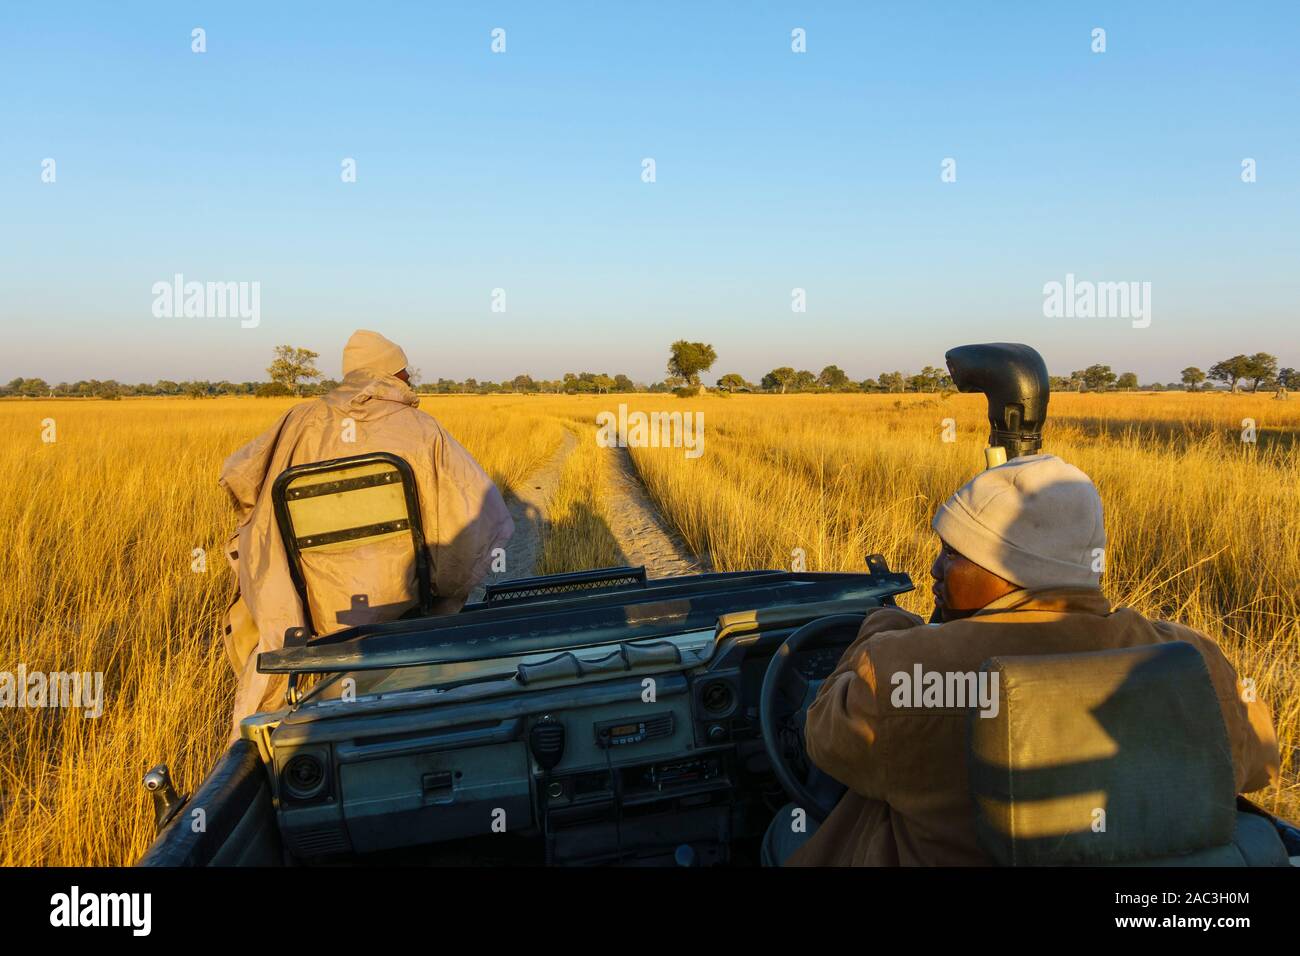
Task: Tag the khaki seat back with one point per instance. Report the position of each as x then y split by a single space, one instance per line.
1110 757
353 525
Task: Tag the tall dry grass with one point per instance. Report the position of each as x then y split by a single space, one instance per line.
99 530
101 526
1202 527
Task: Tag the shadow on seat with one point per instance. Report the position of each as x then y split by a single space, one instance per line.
1111 758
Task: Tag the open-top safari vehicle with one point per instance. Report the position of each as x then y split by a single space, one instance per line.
601 717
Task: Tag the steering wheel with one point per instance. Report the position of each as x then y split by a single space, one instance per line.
783 682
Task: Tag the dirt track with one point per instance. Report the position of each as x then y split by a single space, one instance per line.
642 534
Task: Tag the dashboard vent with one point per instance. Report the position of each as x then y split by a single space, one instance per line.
661 726
320 841
526 589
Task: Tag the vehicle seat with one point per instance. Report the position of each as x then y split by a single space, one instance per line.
1111 758
351 529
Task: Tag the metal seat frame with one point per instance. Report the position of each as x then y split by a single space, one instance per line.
293 544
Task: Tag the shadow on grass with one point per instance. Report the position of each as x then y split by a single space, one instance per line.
1175 434
581 540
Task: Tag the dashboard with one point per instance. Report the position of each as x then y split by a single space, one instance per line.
643 752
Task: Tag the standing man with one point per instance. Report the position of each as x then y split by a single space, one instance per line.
374 410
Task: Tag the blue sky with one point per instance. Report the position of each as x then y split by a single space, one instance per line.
522 171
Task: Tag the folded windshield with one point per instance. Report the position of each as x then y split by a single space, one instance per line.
659 608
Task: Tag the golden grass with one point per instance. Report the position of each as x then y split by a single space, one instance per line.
1202 528
100 527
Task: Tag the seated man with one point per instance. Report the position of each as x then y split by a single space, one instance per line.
1018 573
373 410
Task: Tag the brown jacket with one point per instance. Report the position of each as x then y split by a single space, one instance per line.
464 519
908 801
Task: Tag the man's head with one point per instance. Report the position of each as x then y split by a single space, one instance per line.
371 352
962 586
1034 522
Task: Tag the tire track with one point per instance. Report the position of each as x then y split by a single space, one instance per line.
643 534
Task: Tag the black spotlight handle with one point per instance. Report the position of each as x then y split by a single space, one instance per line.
1014 378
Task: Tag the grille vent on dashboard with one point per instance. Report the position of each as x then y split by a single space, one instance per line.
320 841
661 726
606 579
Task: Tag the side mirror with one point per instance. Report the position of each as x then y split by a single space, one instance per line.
1014 378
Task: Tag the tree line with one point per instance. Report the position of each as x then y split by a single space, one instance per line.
1258 371
293 372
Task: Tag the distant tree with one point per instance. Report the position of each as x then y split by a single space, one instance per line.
892 381
292 366
688 359
1078 379
833 377
592 382
1262 369
272 390
1192 377
779 378
1127 381
869 385
804 380
1231 371
1288 378
732 382
623 384
1098 378
929 379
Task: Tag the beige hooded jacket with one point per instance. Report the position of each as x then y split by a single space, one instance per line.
464 520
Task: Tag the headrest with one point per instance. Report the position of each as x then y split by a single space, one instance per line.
1102 758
